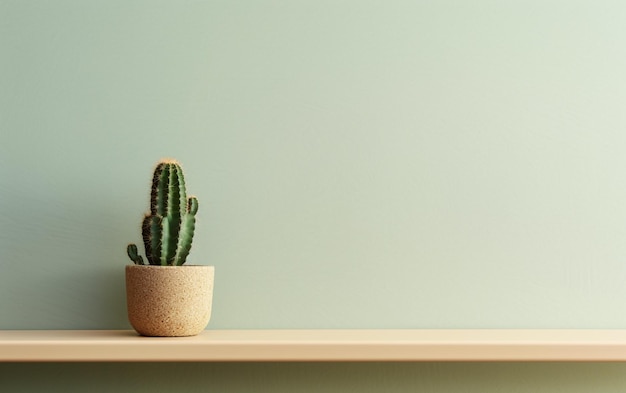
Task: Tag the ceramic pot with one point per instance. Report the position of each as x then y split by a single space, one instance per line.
169 301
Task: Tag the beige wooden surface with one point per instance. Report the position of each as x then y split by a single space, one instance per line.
315 345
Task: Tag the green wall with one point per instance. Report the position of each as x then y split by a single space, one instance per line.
359 164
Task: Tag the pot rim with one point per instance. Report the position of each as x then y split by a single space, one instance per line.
167 266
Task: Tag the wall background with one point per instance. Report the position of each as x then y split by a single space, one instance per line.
359 164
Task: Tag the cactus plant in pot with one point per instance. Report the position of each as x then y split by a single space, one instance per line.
164 296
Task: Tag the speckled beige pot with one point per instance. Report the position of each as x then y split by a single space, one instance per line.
169 301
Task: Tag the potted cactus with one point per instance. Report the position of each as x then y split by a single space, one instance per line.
165 298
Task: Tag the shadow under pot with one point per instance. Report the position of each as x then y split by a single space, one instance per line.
169 301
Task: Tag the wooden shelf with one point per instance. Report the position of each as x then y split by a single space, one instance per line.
314 345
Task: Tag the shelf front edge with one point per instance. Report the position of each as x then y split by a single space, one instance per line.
315 345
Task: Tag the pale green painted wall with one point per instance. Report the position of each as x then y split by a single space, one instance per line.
360 164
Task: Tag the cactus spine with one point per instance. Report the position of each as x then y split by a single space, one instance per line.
168 228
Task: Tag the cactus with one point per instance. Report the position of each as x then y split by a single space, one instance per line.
168 228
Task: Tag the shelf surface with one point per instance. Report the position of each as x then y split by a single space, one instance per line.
315 345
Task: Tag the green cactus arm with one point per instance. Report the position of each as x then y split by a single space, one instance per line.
186 238
169 245
133 254
192 205
187 230
152 233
